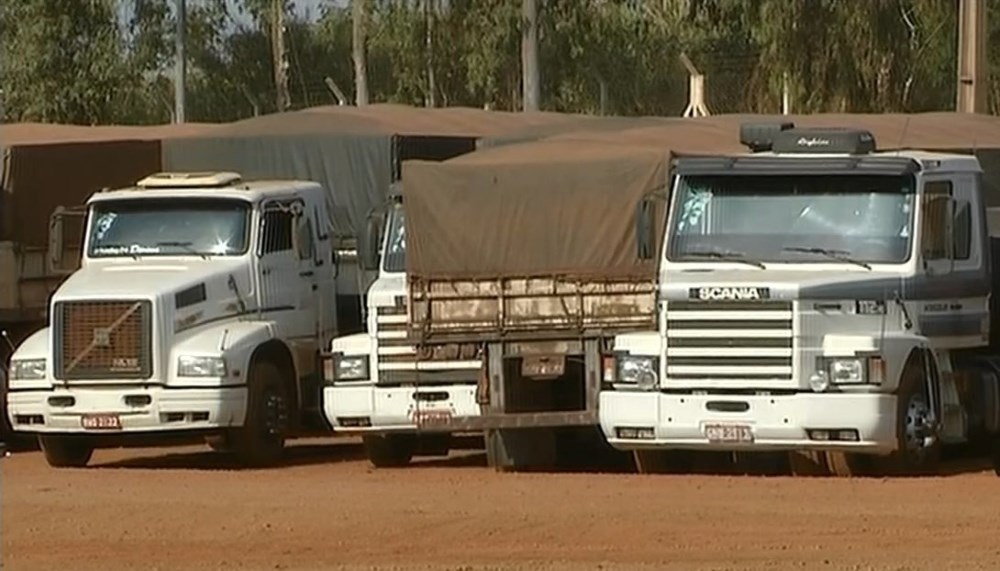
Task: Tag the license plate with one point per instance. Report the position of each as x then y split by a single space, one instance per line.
728 433
431 417
101 421
543 366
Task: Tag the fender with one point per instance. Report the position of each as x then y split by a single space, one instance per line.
895 349
234 341
36 346
354 344
645 343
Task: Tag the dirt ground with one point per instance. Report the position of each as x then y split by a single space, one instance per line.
183 508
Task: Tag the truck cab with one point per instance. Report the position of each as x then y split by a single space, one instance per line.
819 298
200 307
376 385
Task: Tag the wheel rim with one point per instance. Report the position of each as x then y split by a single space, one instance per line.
917 420
275 415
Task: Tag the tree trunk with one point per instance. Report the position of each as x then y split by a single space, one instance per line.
429 14
278 53
529 55
359 24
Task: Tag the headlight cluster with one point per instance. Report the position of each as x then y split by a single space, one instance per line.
637 370
196 366
847 371
349 368
27 369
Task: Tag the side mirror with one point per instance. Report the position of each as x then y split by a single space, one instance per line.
370 250
645 229
56 239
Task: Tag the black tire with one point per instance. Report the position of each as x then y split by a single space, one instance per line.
261 439
913 457
522 450
808 463
390 450
846 464
664 461
66 451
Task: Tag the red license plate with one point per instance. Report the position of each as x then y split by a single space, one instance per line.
101 421
431 417
739 433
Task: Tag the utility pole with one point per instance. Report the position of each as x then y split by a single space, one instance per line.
972 65
181 55
529 55
359 11
278 51
429 15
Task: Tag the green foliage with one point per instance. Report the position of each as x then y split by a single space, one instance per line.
77 62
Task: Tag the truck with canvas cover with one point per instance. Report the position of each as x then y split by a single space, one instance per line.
521 259
200 308
818 300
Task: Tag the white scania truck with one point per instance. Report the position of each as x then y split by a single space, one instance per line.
818 298
201 306
377 385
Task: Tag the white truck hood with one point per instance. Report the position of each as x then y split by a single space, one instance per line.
752 284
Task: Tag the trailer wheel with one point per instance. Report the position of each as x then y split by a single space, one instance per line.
664 461
808 463
66 451
523 449
261 439
914 454
390 450
846 464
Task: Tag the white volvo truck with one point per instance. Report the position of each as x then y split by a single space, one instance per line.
377 386
201 306
816 297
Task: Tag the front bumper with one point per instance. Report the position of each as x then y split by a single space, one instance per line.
371 408
776 422
170 409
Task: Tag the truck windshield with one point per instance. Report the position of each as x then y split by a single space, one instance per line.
785 218
395 248
174 227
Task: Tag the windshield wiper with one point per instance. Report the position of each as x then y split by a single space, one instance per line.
839 255
185 245
725 256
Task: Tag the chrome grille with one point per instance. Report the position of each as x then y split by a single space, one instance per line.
729 340
103 340
397 357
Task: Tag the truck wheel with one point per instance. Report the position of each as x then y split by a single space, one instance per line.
66 451
261 439
914 455
663 461
390 450
808 463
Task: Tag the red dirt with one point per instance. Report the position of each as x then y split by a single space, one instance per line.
181 508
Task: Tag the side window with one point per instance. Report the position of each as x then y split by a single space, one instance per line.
962 230
936 226
277 234
305 244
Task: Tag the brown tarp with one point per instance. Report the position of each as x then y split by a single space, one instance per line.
537 209
38 178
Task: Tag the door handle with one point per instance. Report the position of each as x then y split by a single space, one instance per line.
307 273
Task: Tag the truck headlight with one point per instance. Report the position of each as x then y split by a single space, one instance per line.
27 369
639 371
195 366
847 371
350 367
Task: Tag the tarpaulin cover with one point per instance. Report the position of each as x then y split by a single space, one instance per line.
349 149
537 209
38 178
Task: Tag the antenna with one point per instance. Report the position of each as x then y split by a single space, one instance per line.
902 136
